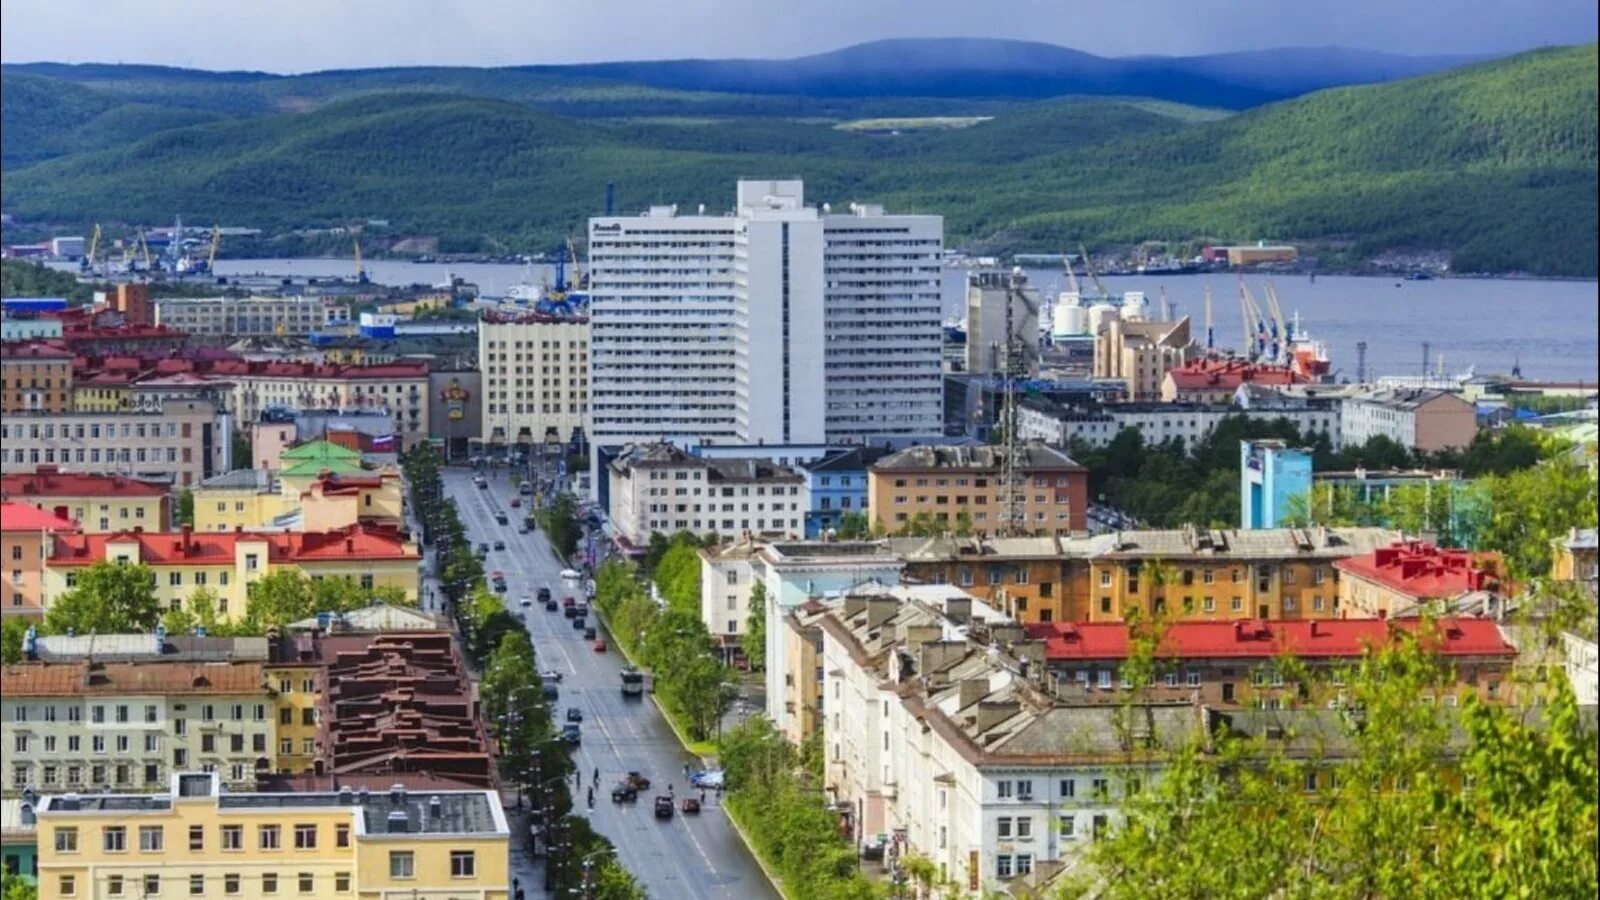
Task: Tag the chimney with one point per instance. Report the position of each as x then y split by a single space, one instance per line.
1314 630
880 610
972 691
993 712
435 811
397 795
958 609
1008 633
854 606
917 635
346 796
937 656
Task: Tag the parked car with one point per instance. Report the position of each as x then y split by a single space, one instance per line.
525 601
483 549
551 675
636 780
544 594
579 624
571 574
499 545
571 734
624 793
663 807
574 714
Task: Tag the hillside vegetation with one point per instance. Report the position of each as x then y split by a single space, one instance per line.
1494 163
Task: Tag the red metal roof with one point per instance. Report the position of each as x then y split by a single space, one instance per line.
49 481
170 548
34 350
1420 570
210 365
1258 639
27 517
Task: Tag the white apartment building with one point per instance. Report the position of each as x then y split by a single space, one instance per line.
182 443
535 372
658 487
930 738
712 328
248 316
1159 422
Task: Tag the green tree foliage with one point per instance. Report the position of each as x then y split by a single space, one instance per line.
755 637
108 599
854 526
1494 162
560 523
677 575
200 611
1228 818
186 508
12 631
786 816
12 887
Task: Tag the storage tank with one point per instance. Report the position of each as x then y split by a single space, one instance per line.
1134 307
1099 314
1069 319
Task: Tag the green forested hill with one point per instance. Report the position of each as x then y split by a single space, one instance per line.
1495 163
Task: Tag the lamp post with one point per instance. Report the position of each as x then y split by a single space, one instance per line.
588 863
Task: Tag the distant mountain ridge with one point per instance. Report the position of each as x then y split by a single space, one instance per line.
921 67
1492 163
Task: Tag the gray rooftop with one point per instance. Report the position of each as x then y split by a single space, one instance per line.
146 647
240 479
1583 539
980 458
747 469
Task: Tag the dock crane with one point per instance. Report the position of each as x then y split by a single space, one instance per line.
1255 325
1276 312
1072 277
361 271
216 241
579 280
1088 267
94 245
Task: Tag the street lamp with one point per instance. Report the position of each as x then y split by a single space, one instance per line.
587 865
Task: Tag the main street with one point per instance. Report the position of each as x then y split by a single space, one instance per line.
687 856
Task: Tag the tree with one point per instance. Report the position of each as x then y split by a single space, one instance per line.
677 575
561 526
1228 816
186 508
12 887
278 599
854 526
13 630
755 638
108 599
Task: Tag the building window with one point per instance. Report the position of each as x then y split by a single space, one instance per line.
463 864
308 882
1002 865
270 837
197 837
230 883
305 837
1002 827
402 864
1003 789
197 885
341 882
114 885
341 836
66 840
233 837
151 838
269 883
114 838
68 885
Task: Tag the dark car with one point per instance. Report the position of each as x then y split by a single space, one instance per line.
568 611
551 692
579 624
690 805
571 734
544 594
549 606
663 807
624 793
582 609
574 714
500 519
483 549
636 780
499 545
589 633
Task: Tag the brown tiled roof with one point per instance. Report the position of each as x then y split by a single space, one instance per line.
118 679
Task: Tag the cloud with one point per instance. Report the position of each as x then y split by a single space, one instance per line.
306 35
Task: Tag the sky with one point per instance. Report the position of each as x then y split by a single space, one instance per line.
290 36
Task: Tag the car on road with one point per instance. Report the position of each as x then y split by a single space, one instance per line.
550 606
706 779
544 594
569 601
499 545
523 528
516 502
551 693
589 633
600 645
579 624
499 587
571 574
574 714
483 549
691 805
501 519
624 793
571 734
481 482
525 601
551 675
663 807
581 609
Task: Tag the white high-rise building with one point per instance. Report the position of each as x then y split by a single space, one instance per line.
776 323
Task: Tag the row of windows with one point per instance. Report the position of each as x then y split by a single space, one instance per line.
232 883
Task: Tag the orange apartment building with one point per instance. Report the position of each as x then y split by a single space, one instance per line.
1182 574
27 535
37 378
942 483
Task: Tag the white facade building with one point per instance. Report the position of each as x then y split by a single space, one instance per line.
249 316
1159 422
712 328
535 372
657 487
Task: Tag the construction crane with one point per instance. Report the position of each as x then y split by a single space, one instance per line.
1276 311
361 271
1013 465
216 241
1088 267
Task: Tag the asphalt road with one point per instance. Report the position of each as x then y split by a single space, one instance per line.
688 857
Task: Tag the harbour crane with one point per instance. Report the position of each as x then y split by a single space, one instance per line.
216 241
1072 277
94 245
361 271
1255 325
1277 315
1088 267
578 283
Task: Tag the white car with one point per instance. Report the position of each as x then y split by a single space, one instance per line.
571 574
525 601
550 675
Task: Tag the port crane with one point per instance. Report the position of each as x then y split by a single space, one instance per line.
1088 268
216 241
94 245
361 270
1072 277
1255 325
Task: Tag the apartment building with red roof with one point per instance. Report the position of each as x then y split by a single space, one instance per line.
27 535
1407 576
99 503
1215 380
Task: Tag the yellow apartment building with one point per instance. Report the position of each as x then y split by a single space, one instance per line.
243 498
227 562
1190 574
1031 579
254 499
97 503
194 840
949 485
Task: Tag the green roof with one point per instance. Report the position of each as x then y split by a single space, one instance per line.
314 466
319 450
